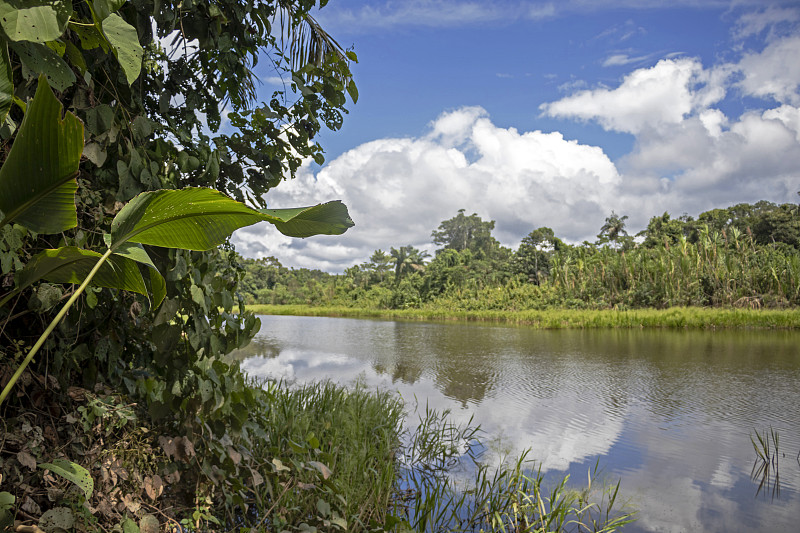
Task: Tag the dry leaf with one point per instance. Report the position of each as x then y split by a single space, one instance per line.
324 470
189 448
31 507
26 459
235 456
172 477
258 479
178 447
153 486
168 445
50 434
55 494
77 393
131 503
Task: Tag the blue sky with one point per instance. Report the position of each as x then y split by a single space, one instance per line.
539 113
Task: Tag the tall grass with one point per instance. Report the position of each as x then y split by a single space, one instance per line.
339 458
718 269
454 491
331 452
677 317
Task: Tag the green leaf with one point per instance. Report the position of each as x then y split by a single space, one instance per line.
129 526
330 218
136 252
125 43
72 265
72 472
6 83
37 180
57 519
41 59
103 8
352 90
192 219
34 20
199 219
7 501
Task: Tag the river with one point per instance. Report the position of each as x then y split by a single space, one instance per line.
670 413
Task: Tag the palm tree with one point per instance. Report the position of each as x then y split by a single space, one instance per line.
614 228
308 42
405 258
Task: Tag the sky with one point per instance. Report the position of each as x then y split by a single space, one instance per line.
553 114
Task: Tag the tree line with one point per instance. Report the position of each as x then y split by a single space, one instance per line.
745 255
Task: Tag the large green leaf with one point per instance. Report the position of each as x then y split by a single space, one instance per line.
71 265
192 219
330 218
41 59
34 20
125 43
199 219
37 180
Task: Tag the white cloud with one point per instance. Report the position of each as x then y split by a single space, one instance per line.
398 190
688 156
753 23
647 98
275 80
774 72
616 60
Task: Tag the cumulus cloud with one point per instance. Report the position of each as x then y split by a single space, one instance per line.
774 72
689 153
398 190
647 98
688 156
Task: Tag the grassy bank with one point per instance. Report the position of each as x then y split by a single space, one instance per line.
676 317
321 457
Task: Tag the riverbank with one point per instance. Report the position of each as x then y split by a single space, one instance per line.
675 317
320 457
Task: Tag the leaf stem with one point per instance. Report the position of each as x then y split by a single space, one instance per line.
52 326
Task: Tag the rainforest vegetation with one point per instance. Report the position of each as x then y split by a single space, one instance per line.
120 408
746 256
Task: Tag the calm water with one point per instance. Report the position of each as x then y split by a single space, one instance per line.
668 412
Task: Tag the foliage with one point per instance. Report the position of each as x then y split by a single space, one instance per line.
466 233
532 258
564 318
613 229
149 81
751 261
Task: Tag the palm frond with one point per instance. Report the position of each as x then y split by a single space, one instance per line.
308 42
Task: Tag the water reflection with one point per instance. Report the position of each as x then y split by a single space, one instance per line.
669 412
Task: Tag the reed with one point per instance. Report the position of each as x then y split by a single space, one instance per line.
330 452
347 458
674 318
510 497
765 467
